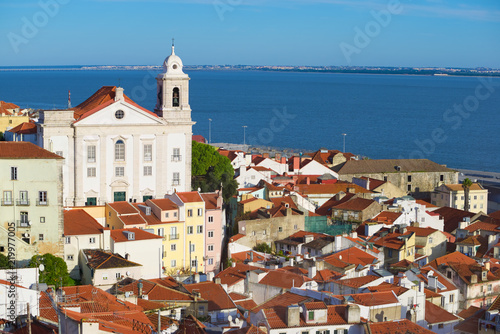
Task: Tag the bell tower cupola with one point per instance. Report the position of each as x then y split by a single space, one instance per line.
172 101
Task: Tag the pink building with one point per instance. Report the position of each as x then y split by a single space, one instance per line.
215 231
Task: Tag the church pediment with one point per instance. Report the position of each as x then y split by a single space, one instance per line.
119 183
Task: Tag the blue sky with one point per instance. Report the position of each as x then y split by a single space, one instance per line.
433 33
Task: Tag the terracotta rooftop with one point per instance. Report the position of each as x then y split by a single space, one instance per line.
164 204
217 297
352 255
284 279
189 196
210 200
123 208
121 235
282 300
330 188
452 217
458 187
437 315
157 292
326 275
242 256
482 226
98 259
25 128
371 299
421 231
355 204
79 222
24 150
233 275
357 282
326 208
390 240
135 219
403 326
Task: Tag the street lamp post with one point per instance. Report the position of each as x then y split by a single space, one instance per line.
244 134
344 134
209 130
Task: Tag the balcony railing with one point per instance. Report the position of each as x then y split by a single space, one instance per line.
23 202
23 223
173 237
42 203
7 202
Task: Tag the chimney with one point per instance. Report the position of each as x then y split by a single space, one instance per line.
311 271
293 316
265 155
277 156
296 164
233 264
351 190
251 256
217 280
308 180
283 160
243 169
139 289
473 279
338 243
433 285
353 314
119 94
421 286
308 238
487 266
354 235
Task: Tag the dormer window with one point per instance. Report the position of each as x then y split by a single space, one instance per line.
310 315
175 97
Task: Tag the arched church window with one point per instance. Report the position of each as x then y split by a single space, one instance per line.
119 150
175 97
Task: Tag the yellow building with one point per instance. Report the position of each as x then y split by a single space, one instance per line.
453 196
10 116
250 203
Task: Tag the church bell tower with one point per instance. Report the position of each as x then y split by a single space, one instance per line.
172 101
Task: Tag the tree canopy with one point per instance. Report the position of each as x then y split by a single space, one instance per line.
4 262
55 270
210 170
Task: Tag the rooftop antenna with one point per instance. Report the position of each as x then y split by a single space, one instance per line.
173 39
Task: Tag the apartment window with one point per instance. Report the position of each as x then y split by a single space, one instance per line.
190 230
441 178
40 237
210 261
264 232
69 258
118 275
409 178
475 197
461 249
200 212
148 152
176 156
310 315
23 198
7 197
430 240
482 197
451 298
92 240
175 214
190 213
409 187
173 263
91 172
462 198
42 219
194 263
91 153
489 287
210 219
67 240
42 198
199 229
119 150
13 173
210 248
173 247
441 326
166 214
148 170
389 252
280 229
160 232
295 227
119 171
210 234
443 301
192 247
176 179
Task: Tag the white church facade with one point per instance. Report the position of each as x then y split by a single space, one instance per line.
116 150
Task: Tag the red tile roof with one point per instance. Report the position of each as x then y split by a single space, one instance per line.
210 200
437 315
452 217
403 326
330 188
336 315
24 150
350 256
482 226
452 257
326 275
236 237
315 305
421 231
284 279
123 208
355 204
217 297
97 259
164 204
190 197
390 240
25 128
132 220
495 214
282 300
242 256
79 222
458 187
277 201
233 275
371 299
357 282
120 236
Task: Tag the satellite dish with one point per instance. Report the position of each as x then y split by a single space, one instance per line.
41 267
229 318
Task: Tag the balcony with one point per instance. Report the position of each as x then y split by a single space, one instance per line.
23 202
42 203
7 202
173 237
23 223
176 158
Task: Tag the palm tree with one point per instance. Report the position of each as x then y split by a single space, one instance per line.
466 184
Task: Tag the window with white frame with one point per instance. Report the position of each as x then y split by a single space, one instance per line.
173 263
210 234
176 156
119 171
176 179
210 261
91 153
194 263
7 197
148 170
42 198
91 172
13 173
192 248
210 219
200 212
210 248
199 229
69 258
148 152
92 240
119 150
67 240
173 247
190 230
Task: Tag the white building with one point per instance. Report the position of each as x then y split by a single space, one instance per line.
116 150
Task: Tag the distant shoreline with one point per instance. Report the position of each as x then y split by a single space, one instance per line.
441 72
